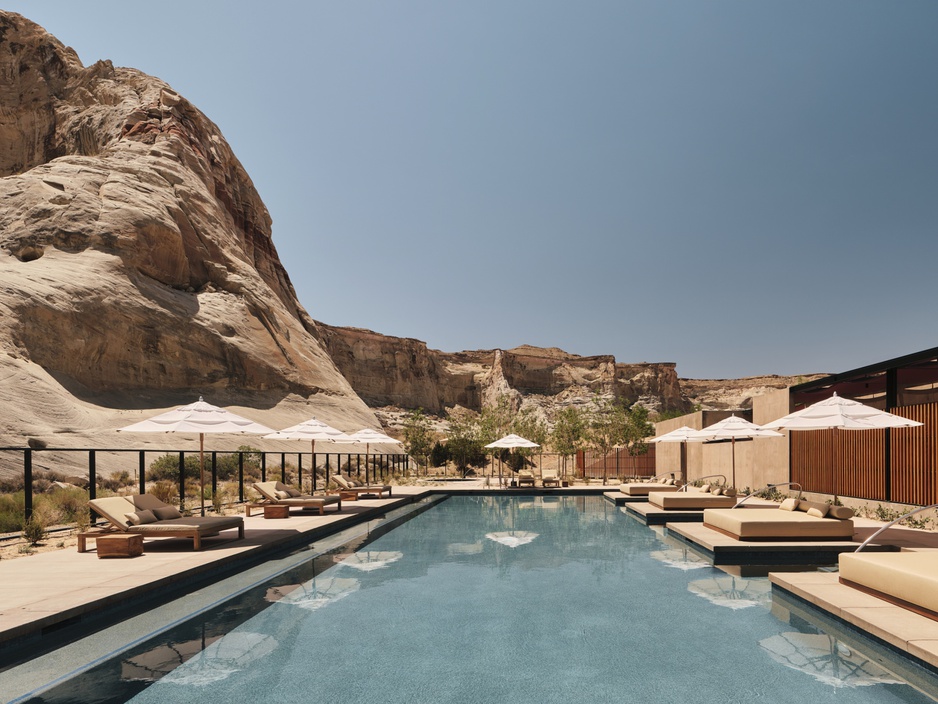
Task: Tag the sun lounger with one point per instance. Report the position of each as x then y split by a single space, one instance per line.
146 515
908 579
549 477
276 493
793 520
659 484
347 484
694 499
525 478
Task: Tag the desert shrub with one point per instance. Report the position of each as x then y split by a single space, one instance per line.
12 508
439 455
165 490
34 530
166 467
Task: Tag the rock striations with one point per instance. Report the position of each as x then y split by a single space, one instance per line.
136 260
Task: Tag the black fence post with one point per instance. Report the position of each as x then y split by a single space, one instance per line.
182 480
240 477
27 484
143 472
299 470
283 467
263 466
314 472
327 469
214 472
92 475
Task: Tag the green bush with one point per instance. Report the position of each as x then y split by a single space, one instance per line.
34 530
166 468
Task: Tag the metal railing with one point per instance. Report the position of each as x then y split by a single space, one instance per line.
86 463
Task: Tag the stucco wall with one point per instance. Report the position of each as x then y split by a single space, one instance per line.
758 462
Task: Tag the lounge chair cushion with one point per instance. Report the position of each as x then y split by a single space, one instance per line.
771 523
140 517
146 501
789 504
688 500
643 489
841 512
282 494
909 576
705 488
816 512
294 493
166 512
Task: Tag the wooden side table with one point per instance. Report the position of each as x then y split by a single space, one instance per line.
276 511
119 545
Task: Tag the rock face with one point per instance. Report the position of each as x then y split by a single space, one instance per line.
393 371
731 394
136 257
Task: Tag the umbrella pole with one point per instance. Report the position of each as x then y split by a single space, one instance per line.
202 471
733 445
312 451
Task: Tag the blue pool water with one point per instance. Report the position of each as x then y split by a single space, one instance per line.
500 599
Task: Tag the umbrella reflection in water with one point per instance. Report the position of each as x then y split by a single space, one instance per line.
733 592
221 659
826 659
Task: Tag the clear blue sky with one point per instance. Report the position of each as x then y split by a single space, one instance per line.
738 187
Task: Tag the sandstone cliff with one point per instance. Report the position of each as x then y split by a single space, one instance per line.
137 267
393 371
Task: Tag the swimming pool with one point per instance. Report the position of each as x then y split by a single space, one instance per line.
493 599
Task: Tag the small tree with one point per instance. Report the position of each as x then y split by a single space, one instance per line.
569 433
439 455
418 435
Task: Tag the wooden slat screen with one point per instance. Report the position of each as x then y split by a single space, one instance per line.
912 457
853 462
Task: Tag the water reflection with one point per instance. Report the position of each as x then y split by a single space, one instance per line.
221 659
733 592
512 538
826 659
314 594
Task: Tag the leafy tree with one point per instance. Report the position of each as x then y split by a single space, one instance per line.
439 455
569 432
166 467
418 435
465 442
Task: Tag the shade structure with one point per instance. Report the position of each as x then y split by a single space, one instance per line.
840 413
372 437
312 430
731 429
681 435
512 441
199 417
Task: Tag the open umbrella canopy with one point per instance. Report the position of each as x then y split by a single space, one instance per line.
512 441
312 429
373 437
682 434
199 417
840 412
732 428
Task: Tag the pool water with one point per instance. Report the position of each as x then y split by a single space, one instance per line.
504 599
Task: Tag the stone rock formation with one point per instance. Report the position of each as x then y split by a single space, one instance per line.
403 372
137 267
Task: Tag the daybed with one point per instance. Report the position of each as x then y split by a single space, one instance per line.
792 520
693 499
280 494
146 515
549 478
525 477
352 486
667 483
908 579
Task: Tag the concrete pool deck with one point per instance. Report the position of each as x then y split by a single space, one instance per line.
45 593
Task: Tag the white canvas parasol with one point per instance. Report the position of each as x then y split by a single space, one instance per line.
839 413
681 435
510 442
199 417
312 430
731 429
372 437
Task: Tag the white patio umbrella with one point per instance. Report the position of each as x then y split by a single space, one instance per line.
681 435
840 413
730 429
312 430
199 417
510 442
372 437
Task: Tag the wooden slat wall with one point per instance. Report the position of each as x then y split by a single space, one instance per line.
852 462
912 456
